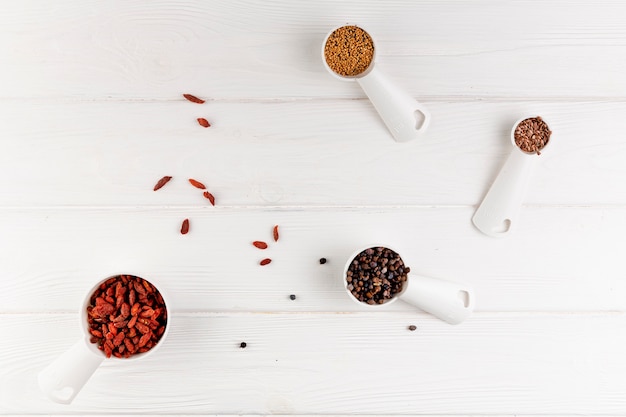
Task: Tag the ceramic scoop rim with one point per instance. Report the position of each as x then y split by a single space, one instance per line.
345 282
84 323
520 120
348 77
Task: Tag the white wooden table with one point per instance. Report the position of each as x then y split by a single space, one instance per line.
92 116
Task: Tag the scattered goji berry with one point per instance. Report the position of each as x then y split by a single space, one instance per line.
197 184
210 197
193 98
259 244
162 182
184 229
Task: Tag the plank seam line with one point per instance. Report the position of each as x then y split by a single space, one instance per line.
299 207
485 314
290 100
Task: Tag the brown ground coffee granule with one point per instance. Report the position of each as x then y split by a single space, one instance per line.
349 51
531 135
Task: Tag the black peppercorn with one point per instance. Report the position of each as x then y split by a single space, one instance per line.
376 275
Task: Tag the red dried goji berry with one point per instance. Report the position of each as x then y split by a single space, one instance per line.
193 98
103 310
197 184
142 328
139 288
144 339
259 244
210 197
121 324
118 289
95 332
117 340
148 286
118 319
143 320
108 329
275 233
185 227
135 309
129 345
162 182
125 310
108 351
203 122
265 261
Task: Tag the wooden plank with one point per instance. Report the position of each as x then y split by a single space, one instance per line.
559 259
298 154
325 363
91 115
117 414
253 49
303 415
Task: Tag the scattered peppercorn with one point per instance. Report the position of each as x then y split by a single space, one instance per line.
292 297
322 261
243 345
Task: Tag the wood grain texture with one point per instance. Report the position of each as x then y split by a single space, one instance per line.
559 259
298 154
351 363
270 49
92 115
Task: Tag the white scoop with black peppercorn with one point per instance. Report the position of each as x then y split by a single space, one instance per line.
497 214
348 53
376 276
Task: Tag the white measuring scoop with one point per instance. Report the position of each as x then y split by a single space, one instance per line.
404 116
63 379
448 301
497 214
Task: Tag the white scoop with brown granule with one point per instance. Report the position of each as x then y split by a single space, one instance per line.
349 53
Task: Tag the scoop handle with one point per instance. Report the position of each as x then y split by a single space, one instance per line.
404 116
497 214
449 301
63 379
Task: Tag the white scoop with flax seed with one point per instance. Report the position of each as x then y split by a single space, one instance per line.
498 213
